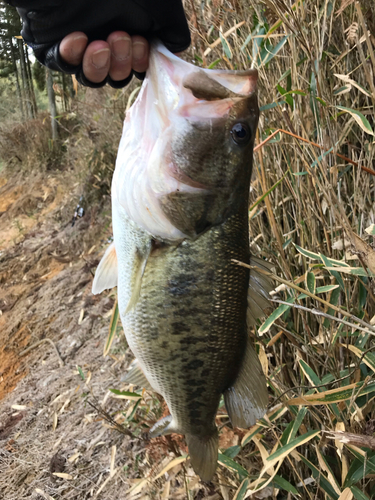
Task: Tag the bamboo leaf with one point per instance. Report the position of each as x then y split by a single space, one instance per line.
285 485
320 478
232 465
225 45
242 490
332 396
282 452
358 494
368 359
279 311
270 52
359 118
311 282
307 253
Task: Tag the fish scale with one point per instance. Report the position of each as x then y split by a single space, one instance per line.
211 322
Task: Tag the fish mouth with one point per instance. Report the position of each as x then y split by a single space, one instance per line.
175 95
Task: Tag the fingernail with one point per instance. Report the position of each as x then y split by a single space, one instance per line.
139 50
121 48
100 58
80 37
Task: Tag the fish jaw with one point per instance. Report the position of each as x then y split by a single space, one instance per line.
172 105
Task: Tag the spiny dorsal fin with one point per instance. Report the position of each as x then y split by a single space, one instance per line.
106 272
246 401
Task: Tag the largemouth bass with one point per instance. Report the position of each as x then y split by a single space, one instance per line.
180 195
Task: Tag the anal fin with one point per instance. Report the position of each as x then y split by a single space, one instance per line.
136 376
203 454
246 401
106 272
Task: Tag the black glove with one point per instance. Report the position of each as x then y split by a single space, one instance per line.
47 22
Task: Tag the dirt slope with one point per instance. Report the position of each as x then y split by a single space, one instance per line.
47 423
45 293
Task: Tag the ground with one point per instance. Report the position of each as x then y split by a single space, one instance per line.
47 422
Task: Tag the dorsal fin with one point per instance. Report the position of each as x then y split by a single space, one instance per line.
106 272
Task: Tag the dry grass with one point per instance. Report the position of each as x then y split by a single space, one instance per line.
312 226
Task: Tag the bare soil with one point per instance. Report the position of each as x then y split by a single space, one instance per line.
46 270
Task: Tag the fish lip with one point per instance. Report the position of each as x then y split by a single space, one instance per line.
251 73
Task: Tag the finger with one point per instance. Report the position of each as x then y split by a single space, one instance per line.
121 55
72 47
140 54
96 61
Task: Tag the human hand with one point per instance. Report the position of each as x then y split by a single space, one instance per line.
116 57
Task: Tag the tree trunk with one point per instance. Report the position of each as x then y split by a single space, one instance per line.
31 84
51 103
24 79
15 69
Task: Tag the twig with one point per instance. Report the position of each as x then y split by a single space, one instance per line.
110 420
280 130
317 312
61 362
309 294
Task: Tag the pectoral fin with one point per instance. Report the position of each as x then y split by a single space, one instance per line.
106 272
136 376
138 268
246 401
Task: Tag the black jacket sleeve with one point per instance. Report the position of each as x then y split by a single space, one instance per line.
47 22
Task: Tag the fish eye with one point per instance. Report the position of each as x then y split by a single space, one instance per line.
241 133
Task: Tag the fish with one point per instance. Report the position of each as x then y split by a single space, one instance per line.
180 201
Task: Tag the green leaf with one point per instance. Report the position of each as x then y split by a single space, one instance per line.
333 395
268 192
125 393
335 274
242 490
358 494
80 371
307 253
231 464
232 451
311 282
279 311
320 158
309 372
213 64
272 105
359 469
225 45
320 478
284 485
297 422
285 450
270 52
359 118
131 416
325 288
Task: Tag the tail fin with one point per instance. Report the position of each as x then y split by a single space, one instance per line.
203 454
